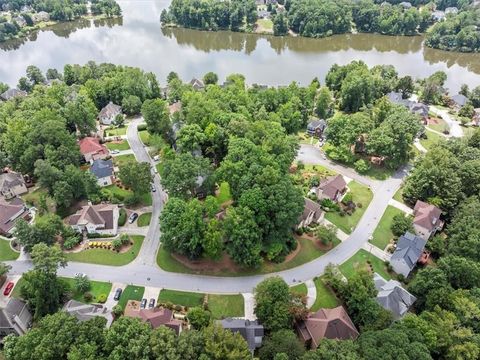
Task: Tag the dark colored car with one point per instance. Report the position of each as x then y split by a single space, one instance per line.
132 218
118 293
143 304
8 288
151 304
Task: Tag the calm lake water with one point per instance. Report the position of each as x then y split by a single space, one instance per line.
138 40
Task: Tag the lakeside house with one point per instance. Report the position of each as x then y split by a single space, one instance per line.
12 184
251 331
332 324
108 114
12 93
155 317
392 296
408 252
415 107
15 318
197 84
451 10
10 212
312 214
85 312
426 220
459 101
91 149
103 171
316 127
95 219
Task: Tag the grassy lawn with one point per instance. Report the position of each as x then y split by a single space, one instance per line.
299 289
432 138
33 198
399 195
144 219
146 199
117 131
223 306
184 298
379 173
144 136
265 24
440 127
108 257
97 288
122 145
359 260
6 252
382 234
131 292
121 194
224 194
16 289
325 296
307 253
123 159
361 195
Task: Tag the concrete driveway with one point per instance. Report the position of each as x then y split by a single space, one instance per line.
4 299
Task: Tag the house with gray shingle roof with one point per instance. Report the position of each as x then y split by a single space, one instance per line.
95 219
407 253
316 127
103 171
10 212
85 312
312 214
392 296
251 331
12 184
108 114
12 93
459 100
15 318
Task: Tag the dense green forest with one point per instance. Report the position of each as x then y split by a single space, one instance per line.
22 14
315 18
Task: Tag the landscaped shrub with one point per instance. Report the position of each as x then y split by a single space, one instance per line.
88 296
362 166
102 298
131 199
117 310
71 242
178 308
125 239
117 244
99 236
122 218
142 127
348 198
329 204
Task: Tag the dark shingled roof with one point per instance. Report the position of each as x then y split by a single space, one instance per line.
102 168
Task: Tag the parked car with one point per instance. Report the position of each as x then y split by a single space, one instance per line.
156 158
8 288
118 293
151 304
80 275
155 170
143 304
132 218
153 188
116 151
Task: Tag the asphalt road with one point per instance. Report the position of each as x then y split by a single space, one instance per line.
144 271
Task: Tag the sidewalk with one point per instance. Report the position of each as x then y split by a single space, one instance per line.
400 206
311 293
377 252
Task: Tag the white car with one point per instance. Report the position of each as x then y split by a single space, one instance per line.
115 151
81 275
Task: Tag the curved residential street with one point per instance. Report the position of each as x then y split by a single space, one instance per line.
144 271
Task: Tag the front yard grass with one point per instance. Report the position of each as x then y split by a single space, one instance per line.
440 127
326 298
432 139
399 195
116 131
299 289
361 195
308 252
183 298
108 257
6 252
224 194
122 145
121 194
123 159
145 137
131 292
382 234
144 219
97 288
223 306
359 261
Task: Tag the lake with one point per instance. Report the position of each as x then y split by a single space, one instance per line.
138 40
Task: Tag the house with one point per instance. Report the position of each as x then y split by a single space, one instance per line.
15 318
197 84
92 150
12 93
332 324
103 171
407 253
392 296
451 10
175 107
406 5
156 317
12 184
263 14
251 331
414 107
438 15
333 187
85 312
476 117
459 100
41 16
427 219
316 127
108 114
20 20
10 212
95 219
312 214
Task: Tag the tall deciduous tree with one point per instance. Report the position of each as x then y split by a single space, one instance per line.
157 117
